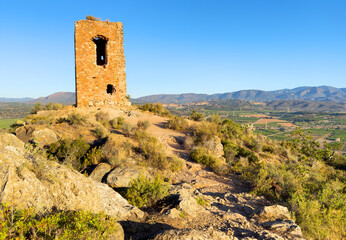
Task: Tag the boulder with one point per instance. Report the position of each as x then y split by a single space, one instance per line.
284 227
100 171
10 148
215 146
36 134
43 137
273 212
25 133
187 200
193 234
264 234
118 233
27 180
121 176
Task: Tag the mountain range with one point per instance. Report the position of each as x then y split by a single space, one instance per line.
321 93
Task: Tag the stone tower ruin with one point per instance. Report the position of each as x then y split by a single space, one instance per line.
100 63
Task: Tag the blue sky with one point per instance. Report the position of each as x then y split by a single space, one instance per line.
179 46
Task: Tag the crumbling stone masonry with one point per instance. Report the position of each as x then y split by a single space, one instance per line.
100 63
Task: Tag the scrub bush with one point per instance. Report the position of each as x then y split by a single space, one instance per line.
145 192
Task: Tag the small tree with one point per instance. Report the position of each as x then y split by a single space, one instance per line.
196 116
36 108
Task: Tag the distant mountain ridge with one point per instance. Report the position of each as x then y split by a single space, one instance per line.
322 93
59 97
8 100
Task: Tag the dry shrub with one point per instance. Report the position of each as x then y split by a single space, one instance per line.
153 151
103 118
76 119
204 132
157 109
99 132
176 163
143 125
58 106
92 18
117 123
177 123
196 116
127 129
116 150
201 155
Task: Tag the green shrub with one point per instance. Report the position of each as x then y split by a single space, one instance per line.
38 120
143 125
215 118
99 132
231 130
48 106
36 108
146 192
196 116
61 120
316 220
177 123
93 156
27 224
153 151
117 123
69 152
176 163
76 118
201 155
230 150
58 106
156 108
251 143
201 201
204 132
268 148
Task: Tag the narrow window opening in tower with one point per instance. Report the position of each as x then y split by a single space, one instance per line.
110 89
101 53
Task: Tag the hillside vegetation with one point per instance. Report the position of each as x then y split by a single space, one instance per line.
300 173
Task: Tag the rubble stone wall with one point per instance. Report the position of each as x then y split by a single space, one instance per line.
99 84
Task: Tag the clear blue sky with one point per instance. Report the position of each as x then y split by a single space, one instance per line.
179 46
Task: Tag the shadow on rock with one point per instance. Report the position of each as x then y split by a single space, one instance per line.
141 231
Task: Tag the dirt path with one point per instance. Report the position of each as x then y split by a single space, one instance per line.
172 140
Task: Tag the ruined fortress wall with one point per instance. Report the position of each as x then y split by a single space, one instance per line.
97 83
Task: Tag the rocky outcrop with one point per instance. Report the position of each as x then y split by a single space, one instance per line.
100 171
122 176
284 227
28 180
272 213
38 135
193 234
44 137
187 201
215 146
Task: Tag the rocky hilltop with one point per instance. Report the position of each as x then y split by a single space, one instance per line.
201 203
